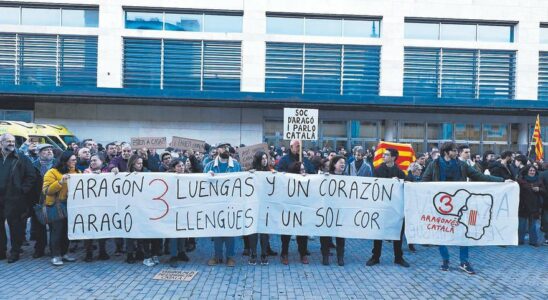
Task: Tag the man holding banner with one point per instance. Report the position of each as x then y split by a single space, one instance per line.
448 168
223 163
388 169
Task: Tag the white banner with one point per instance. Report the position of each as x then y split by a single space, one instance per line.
461 213
167 205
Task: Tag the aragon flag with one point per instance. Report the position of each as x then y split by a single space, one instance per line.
405 158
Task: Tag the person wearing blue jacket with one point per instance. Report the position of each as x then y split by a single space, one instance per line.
223 163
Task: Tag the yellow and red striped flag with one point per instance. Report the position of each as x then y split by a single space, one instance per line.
539 150
405 158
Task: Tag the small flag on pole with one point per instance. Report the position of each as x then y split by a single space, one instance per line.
537 141
405 158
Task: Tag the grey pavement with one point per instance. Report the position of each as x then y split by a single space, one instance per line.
503 273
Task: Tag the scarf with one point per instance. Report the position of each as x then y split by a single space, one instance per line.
449 170
530 179
45 165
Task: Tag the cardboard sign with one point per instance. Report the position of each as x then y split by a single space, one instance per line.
246 154
149 142
187 144
175 275
300 124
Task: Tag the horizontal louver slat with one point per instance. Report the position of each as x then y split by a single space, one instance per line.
543 76
284 67
421 72
222 66
182 64
7 58
78 61
38 60
361 74
142 63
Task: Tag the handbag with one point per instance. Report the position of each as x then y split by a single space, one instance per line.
47 214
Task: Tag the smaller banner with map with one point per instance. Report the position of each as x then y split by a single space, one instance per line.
453 213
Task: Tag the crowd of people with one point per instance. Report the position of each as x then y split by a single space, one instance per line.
38 173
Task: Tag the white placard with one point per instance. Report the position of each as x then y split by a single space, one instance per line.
300 124
461 213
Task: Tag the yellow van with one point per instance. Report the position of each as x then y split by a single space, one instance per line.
58 133
23 131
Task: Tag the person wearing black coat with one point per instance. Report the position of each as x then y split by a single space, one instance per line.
544 220
388 169
532 193
502 168
17 178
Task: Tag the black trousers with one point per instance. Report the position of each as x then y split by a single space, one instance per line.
302 244
17 231
253 239
325 242
398 253
88 244
38 233
59 237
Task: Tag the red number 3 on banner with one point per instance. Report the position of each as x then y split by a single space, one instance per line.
160 198
446 201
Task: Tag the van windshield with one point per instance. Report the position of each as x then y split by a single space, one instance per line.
69 139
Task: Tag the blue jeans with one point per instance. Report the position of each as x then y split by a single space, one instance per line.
463 253
528 225
175 245
218 245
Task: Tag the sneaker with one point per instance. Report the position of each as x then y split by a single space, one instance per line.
264 260
173 262
402 263
252 260
304 260
372 261
444 265
57 261
155 259
230 262
466 267
67 258
183 257
546 243
284 259
130 258
213 261
148 262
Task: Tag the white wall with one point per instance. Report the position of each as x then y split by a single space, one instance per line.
528 14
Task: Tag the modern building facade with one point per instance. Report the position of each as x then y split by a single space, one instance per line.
420 71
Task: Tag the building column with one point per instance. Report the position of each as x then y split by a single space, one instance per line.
390 130
523 138
110 44
392 54
253 46
527 61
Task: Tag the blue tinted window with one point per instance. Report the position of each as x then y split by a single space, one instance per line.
184 22
544 35
9 15
424 31
41 16
325 27
491 33
458 32
80 18
361 28
280 25
144 20
222 23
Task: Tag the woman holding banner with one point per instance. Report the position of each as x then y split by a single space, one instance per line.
336 167
531 196
55 188
176 246
260 163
